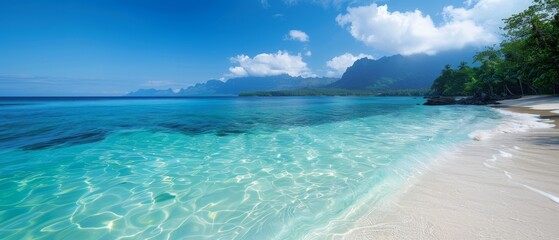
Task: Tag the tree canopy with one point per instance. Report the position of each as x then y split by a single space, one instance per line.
526 61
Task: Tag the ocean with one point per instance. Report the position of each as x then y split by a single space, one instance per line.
213 168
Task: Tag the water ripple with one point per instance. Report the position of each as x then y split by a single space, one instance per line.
291 170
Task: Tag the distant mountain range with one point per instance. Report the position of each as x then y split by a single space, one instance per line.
398 72
385 74
151 92
234 86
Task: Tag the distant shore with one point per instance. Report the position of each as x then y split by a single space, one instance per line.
323 92
505 186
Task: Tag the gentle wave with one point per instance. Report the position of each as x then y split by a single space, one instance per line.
513 122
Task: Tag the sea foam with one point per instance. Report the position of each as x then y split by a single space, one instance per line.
512 122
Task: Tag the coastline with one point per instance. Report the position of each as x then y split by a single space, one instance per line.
544 106
505 186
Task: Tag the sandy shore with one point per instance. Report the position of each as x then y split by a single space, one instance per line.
545 106
503 187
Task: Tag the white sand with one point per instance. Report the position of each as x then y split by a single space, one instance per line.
504 187
535 102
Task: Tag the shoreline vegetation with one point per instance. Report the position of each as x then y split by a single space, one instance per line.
525 63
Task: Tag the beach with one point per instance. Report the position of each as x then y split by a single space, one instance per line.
503 184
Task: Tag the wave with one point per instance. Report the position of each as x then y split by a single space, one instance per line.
512 122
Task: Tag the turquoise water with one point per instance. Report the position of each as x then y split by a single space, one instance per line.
212 168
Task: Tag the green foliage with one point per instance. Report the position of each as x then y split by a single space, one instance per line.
534 34
382 83
453 82
526 62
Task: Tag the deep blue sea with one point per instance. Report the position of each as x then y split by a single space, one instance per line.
212 168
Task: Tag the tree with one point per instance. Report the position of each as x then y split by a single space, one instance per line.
527 57
439 84
452 82
487 74
514 63
537 30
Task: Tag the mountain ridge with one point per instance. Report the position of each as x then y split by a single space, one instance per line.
387 74
234 86
398 72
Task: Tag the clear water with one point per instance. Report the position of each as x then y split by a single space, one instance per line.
211 168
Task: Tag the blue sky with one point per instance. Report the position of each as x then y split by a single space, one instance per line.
110 47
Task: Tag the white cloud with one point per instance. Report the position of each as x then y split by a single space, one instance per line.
298 35
308 53
269 64
488 14
476 24
339 64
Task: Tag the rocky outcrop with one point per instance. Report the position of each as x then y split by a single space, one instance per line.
480 99
434 101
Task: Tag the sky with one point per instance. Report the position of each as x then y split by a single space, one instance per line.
111 47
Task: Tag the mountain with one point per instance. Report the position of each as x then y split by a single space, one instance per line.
385 75
249 84
234 86
399 72
210 88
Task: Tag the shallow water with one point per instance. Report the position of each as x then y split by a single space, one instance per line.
214 168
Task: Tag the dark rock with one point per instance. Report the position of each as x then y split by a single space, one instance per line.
436 101
478 99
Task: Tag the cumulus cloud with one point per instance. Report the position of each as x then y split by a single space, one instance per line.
488 14
475 24
269 64
338 65
297 35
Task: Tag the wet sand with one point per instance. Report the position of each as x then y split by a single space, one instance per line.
503 187
544 106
